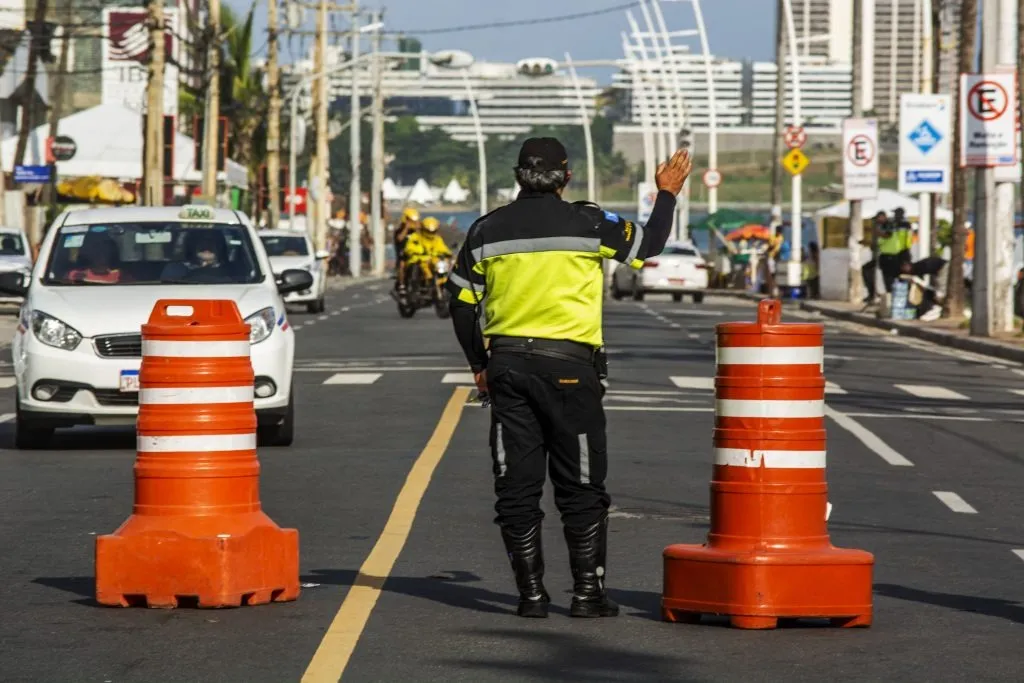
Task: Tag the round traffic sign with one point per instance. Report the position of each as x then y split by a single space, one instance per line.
987 100
63 148
712 178
795 136
861 150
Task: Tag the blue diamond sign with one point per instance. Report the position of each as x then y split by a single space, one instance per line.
925 136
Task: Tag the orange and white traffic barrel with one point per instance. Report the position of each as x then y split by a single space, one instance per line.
197 533
768 553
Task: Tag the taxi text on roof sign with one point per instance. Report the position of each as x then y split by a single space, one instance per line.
197 213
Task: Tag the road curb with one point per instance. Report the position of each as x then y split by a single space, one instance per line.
983 346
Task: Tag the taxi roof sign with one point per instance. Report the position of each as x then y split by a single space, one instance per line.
192 212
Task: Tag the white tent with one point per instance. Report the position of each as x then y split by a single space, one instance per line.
391 191
420 193
454 193
887 201
109 141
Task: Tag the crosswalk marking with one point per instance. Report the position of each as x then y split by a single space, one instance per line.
353 378
955 502
833 388
7 382
1019 392
459 378
928 391
694 382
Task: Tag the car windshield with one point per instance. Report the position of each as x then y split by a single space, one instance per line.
285 245
11 245
680 251
152 254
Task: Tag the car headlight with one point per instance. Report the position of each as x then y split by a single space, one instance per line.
54 332
261 324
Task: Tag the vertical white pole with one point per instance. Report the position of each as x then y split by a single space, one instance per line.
639 93
925 221
712 104
481 149
893 60
587 137
794 272
355 247
1005 200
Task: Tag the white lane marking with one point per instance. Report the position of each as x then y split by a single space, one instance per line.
195 349
356 295
345 309
832 356
323 317
659 409
653 399
198 443
188 395
1019 553
8 382
731 407
868 438
6 417
924 416
929 391
694 382
368 368
955 502
632 392
1019 392
459 378
296 327
693 336
335 312
353 378
769 355
833 388
743 457
675 326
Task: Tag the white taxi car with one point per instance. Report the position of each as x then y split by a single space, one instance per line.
678 270
14 256
99 274
290 249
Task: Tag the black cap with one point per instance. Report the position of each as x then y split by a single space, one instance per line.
543 154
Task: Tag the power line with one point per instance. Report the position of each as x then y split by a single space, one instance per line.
520 22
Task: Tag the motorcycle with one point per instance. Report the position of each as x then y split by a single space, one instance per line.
425 288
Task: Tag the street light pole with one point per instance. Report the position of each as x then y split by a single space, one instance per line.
587 135
376 208
712 104
355 247
481 149
793 273
639 97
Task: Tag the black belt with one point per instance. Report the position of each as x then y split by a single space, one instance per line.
556 348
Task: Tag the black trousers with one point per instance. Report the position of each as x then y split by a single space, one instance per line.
546 417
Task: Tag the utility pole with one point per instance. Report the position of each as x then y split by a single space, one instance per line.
211 126
29 90
855 281
1000 226
936 81
926 218
318 164
273 120
355 248
1020 79
985 223
954 304
57 96
780 112
153 177
376 208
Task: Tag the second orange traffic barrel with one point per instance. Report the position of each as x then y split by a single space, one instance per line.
197 533
768 553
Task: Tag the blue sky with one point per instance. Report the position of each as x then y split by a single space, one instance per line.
738 29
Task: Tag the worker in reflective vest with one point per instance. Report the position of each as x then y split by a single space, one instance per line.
894 250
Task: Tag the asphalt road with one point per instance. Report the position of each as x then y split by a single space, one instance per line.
374 402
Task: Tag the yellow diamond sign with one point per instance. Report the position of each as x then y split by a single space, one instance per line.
796 161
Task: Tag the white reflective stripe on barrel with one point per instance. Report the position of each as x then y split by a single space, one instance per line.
198 443
727 407
771 355
190 395
195 349
743 457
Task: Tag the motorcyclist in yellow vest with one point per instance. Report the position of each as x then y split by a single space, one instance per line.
410 222
426 245
894 245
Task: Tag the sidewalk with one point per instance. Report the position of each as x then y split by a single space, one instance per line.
945 332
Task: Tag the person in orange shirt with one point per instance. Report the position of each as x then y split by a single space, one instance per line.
100 259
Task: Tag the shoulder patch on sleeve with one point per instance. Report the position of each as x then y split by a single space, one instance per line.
628 230
613 217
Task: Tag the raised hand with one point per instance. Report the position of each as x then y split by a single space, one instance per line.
671 174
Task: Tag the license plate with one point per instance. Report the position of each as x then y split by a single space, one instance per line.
677 280
129 381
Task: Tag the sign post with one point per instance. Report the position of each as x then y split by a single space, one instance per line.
989 128
926 154
860 159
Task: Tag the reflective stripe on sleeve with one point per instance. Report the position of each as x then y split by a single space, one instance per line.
536 244
638 239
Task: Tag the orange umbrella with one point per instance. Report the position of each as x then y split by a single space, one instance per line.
749 232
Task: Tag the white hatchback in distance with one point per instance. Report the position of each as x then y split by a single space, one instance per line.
98 276
14 257
289 249
678 270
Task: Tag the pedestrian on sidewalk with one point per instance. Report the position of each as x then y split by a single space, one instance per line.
539 260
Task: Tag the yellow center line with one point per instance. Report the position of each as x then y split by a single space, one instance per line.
339 642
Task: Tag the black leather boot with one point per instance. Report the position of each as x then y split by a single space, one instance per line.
587 552
527 558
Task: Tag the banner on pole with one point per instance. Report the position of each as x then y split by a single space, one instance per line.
860 159
988 125
926 144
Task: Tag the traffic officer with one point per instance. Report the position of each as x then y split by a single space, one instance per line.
535 266
894 245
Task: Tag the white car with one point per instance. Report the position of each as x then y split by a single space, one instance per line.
290 249
678 270
99 274
14 257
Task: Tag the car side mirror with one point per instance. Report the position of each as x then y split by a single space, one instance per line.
294 280
322 254
15 282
